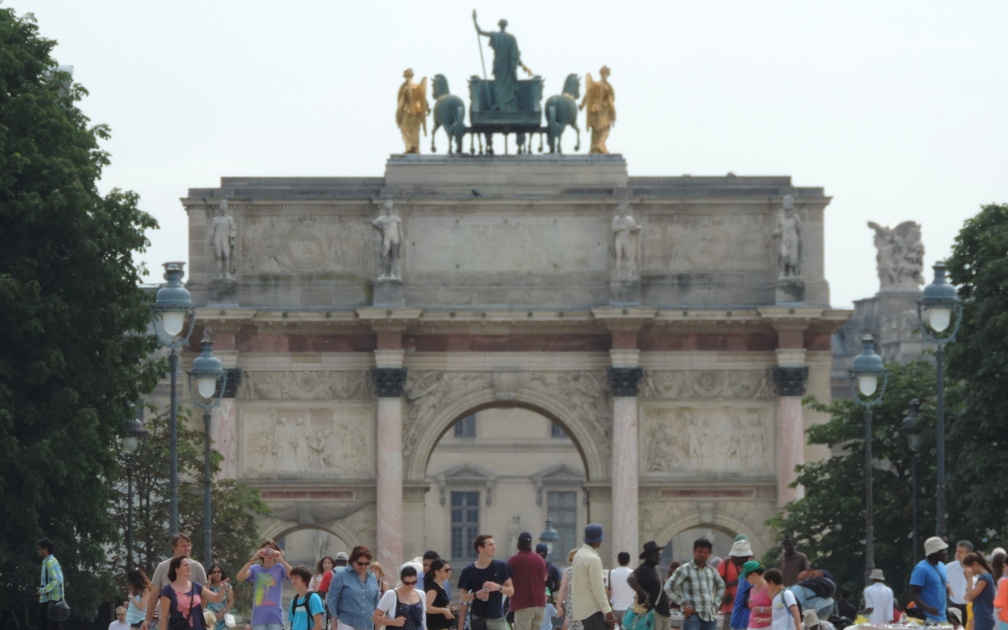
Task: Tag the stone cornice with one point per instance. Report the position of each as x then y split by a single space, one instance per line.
603 320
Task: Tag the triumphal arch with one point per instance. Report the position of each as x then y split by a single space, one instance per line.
667 325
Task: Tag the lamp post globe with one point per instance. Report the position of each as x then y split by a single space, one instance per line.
549 536
172 303
868 380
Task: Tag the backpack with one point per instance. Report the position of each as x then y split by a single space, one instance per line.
294 605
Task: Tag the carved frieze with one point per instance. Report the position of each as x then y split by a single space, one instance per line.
707 385
307 442
677 440
306 385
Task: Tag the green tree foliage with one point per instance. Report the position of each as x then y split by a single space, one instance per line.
234 506
978 359
72 323
829 522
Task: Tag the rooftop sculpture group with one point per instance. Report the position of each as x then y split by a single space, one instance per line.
505 105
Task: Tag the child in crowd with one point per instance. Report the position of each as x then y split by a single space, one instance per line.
784 604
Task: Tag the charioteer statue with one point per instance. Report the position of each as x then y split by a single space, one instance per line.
506 61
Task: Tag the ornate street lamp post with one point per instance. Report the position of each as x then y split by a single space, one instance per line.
171 307
132 443
549 537
939 312
868 380
911 432
207 380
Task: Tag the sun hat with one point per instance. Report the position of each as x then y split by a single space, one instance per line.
933 545
593 534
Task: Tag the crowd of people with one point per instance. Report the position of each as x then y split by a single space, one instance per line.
527 592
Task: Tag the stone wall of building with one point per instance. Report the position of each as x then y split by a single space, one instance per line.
675 370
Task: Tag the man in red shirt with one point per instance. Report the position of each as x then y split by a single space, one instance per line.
528 575
730 570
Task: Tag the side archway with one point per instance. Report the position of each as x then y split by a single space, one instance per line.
723 522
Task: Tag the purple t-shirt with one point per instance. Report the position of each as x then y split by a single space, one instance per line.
267 591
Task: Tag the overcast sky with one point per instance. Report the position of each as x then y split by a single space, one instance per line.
898 109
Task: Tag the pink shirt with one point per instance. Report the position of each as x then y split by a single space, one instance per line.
759 599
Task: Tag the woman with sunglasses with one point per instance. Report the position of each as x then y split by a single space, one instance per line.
353 592
403 606
217 581
439 615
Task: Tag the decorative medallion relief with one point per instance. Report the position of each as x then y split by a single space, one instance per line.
709 439
306 385
318 244
707 385
308 442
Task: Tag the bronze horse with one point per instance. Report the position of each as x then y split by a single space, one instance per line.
561 110
449 112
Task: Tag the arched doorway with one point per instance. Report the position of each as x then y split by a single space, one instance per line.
503 469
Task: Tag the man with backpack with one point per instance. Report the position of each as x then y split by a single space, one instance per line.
306 609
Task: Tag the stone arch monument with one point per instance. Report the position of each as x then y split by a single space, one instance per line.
676 366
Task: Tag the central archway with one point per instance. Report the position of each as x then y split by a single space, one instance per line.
576 401
502 470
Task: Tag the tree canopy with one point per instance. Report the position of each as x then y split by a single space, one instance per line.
978 361
73 321
829 522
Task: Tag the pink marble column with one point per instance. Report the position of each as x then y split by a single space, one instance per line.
389 478
790 447
625 474
790 376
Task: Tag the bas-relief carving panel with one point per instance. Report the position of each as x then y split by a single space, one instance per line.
317 244
507 245
313 442
306 385
711 439
734 242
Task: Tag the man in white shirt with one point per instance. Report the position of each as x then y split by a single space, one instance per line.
622 594
120 622
878 600
957 579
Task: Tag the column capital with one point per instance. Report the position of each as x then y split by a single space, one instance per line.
790 381
624 381
389 381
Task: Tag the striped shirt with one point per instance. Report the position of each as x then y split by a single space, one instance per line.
701 588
